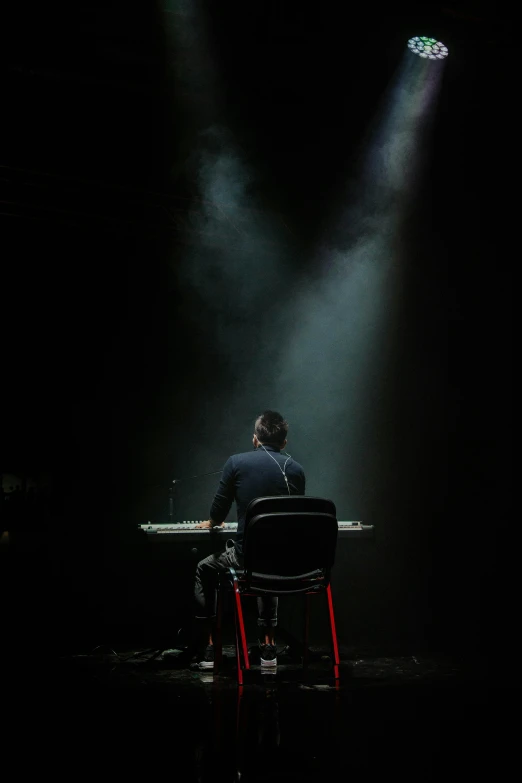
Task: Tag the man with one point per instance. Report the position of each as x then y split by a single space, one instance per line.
263 472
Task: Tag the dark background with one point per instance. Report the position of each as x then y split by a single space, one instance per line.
98 346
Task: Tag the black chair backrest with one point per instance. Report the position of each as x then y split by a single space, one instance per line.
289 535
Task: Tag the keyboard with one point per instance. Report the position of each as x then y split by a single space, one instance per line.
188 529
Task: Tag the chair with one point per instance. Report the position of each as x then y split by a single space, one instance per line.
305 529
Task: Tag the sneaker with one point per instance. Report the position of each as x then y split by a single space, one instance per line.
268 655
206 661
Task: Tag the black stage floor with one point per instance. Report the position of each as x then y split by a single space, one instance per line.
131 712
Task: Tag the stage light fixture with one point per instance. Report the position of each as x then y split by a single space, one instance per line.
428 48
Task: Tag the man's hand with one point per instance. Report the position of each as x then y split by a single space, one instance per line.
208 525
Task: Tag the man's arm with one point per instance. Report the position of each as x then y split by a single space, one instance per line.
223 498
209 524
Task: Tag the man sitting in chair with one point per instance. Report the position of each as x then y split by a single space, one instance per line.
266 471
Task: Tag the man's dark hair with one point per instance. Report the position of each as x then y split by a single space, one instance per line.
271 428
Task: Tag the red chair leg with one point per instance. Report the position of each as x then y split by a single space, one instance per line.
218 638
306 634
241 726
241 624
334 632
238 654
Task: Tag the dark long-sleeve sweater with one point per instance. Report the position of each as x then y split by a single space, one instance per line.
254 474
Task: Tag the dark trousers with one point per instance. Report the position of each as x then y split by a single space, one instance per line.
207 576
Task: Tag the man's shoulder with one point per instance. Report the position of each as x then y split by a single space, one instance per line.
253 456
295 468
243 456
237 459
297 465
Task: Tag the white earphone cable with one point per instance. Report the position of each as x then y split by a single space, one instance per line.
282 469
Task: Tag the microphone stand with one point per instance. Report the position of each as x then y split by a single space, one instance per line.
156 652
171 503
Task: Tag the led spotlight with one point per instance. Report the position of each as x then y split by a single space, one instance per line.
428 48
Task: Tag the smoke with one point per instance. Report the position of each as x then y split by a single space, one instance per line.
194 69
235 260
334 372
235 273
317 347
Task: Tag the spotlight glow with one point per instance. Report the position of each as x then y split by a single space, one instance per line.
428 48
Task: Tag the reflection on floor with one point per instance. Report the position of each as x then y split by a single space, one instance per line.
106 710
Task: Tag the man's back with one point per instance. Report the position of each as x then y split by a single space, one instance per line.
252 474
